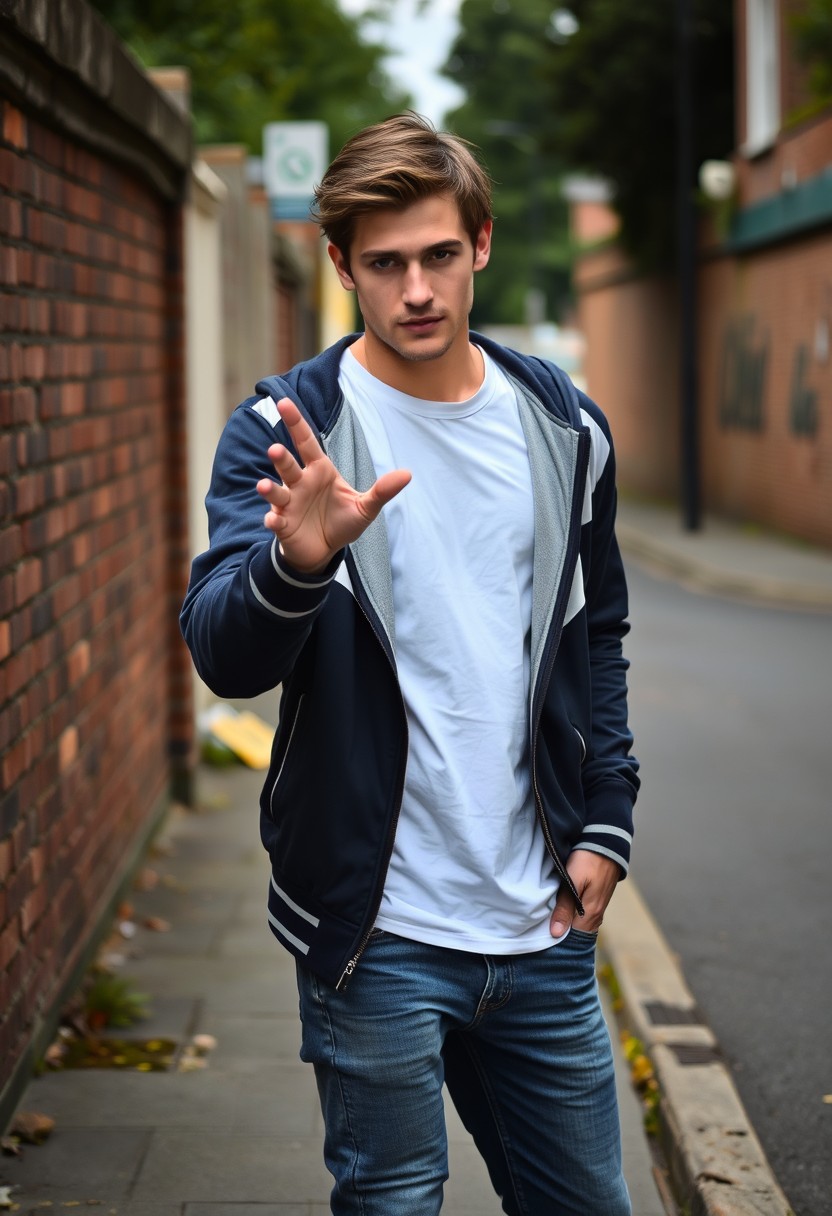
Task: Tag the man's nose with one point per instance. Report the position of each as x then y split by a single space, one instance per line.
417 289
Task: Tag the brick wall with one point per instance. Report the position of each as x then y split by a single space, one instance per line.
765 380
767 442
94 685
631 367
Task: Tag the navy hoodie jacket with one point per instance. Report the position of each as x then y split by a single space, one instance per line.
330 804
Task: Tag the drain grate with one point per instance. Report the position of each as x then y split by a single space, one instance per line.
662 1014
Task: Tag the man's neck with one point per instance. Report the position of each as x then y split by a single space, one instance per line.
454 376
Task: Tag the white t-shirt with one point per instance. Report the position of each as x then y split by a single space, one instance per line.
469 868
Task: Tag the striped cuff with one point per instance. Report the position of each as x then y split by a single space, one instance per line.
608 840
284 591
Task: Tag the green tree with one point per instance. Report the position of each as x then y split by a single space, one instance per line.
498 59
259 61
612 85
813 30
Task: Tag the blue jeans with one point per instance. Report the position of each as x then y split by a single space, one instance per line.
522 1045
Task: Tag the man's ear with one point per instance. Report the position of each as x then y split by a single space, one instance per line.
341 266
482 246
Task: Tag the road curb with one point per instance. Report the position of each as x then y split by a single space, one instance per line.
716 1163
673 560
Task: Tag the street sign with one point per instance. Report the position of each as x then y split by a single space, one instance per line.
294 161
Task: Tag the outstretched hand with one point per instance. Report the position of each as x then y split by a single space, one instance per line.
315 512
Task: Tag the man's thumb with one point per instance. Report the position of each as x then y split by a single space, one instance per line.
562 914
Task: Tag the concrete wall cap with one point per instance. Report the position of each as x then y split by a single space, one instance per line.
72 37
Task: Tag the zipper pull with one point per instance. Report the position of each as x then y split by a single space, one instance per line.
347 972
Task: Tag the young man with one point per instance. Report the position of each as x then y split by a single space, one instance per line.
439 592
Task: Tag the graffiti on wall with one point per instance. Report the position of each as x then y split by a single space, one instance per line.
744 366
803 400
742 390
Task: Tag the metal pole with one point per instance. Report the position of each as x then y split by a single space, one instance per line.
686 237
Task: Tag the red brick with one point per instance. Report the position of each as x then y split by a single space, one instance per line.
5 865
9 944
31 910
11 545
17 406
68 748
28 580
11 218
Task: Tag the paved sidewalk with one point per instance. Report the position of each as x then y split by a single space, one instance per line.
725 558
242 1136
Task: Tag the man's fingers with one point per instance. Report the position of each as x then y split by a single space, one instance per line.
386 488
303 437
273 492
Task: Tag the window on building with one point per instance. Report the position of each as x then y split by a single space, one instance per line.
762 74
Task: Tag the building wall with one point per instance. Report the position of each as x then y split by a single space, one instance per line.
630 367
766 387
207 405
95 713
248 291
765 380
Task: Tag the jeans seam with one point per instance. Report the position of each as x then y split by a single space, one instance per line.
505 1142
344 1103
493 1006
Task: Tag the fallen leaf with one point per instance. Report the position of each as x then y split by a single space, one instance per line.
827 1098
55 1053
127 928
6 1196
203 1043
10 1146
146 879
192 1063
157 924
125 911
32 1127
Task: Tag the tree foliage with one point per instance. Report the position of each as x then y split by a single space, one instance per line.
813 30
498 59
259 61
611 91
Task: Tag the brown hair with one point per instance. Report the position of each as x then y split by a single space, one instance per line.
393 164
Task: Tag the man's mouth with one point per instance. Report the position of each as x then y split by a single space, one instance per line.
420 323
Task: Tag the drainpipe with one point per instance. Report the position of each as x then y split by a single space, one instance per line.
686 263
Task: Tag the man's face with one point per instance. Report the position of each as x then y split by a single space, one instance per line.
413 272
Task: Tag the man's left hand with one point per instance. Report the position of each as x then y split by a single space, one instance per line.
595 878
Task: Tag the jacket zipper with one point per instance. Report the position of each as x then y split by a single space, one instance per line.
391 835
555 636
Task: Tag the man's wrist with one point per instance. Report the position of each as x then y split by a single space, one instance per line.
300 569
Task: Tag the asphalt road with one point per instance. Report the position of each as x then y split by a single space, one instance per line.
732 712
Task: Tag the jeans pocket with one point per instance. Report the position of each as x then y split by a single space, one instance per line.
583 936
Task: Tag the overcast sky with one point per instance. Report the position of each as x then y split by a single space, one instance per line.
419 43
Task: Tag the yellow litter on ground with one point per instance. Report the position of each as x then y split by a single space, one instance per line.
248 737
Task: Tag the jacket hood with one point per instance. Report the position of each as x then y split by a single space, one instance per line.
313 385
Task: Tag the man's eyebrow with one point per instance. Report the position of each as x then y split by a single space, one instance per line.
370 255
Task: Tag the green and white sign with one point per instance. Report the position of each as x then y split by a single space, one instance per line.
295 158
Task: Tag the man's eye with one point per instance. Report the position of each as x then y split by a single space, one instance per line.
443 255
382 263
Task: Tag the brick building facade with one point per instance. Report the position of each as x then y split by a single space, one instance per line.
764 303
96 722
